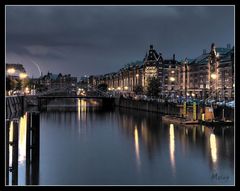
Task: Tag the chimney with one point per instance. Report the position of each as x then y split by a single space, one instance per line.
229 46
204 51
151 47
173 56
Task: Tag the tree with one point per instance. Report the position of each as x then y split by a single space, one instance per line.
138 89
18 84
102 87
153 87
10 84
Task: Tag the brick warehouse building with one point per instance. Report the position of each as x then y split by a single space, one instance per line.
191 77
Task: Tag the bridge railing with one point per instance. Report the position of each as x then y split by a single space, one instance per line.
100 92
54 90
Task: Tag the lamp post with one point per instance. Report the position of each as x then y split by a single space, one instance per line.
185 88
22 77
172 79
10 72
137 75
213 74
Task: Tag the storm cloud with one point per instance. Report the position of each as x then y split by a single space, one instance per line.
99 39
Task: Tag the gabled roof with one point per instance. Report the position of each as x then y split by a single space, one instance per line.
224 55
53 76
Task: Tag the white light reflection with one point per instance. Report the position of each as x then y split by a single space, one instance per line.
137 145
172 146
22 139
79 109
10 140
82 105
213 147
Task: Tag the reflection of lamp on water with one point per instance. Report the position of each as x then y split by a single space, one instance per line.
22 138
213 147
10 145
136 144
172 146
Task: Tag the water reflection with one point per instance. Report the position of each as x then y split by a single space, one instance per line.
10 141
137 145
165 153
22 139
172 147
18 144
213 148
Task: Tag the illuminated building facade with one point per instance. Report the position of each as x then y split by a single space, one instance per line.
211 73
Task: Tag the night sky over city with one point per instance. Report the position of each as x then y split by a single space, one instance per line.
91 40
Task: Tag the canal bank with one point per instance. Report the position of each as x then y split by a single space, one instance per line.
167 108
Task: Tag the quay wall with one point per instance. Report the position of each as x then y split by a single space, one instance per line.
14 106
172 108
151 106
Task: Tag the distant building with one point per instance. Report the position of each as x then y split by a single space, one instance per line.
57 80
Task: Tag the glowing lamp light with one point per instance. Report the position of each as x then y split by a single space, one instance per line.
172 79
119 88
193 94
109 89
27 90
11 71
137 75
188 94
22 75
126 88
172 71
213 76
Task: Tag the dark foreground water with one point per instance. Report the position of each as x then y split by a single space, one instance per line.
86 145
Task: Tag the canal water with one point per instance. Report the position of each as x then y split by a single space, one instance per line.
81 143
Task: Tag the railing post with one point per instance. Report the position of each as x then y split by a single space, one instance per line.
7 152
15 154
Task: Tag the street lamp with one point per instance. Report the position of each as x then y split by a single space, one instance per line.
125 88
172 79
137 75
11 71
213 76
22 75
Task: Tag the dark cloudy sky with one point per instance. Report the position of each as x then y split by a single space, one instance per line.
100 39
